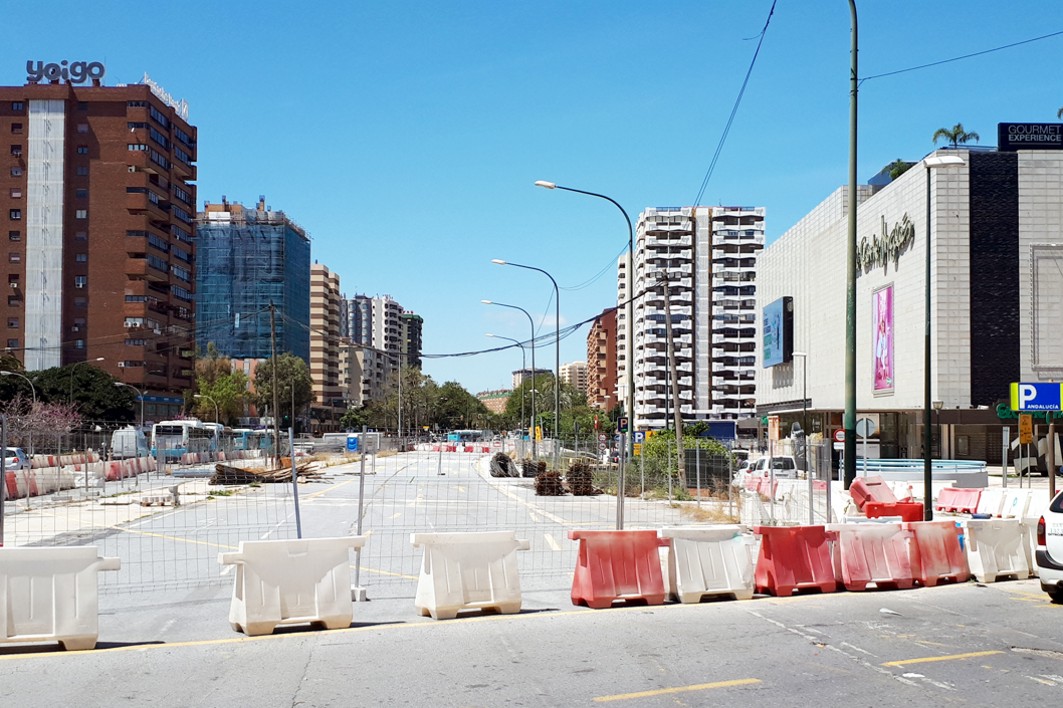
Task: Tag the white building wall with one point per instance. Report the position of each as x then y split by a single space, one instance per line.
44 235
1041 265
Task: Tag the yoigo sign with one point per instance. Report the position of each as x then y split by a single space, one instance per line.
75 72
1036 396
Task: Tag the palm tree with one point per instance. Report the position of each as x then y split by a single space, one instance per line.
956 135
1059 113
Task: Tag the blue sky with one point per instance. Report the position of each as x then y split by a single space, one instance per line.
406 136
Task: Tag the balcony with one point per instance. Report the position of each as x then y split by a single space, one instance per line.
140 268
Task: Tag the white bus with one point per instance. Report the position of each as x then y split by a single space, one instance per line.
173 438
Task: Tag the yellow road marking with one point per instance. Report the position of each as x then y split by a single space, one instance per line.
387 573
173 538
677 689
950 657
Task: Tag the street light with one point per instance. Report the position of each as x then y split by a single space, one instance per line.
33 390
930 163
70 392
200 395
557 353
630 329
140 395
532 323
849 416
523 367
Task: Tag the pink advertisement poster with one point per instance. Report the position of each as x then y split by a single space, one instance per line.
882 338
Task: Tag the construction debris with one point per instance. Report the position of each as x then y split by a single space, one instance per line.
226 474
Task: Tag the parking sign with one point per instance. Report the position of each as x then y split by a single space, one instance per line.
1035 396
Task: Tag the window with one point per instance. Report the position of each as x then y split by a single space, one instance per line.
136 104
79 324
16 192
83 150
81 193
80 281
13 301
79 344
81 258
15 214
16 171
16 128
81 236
83 105
83 127
81 213
12 323
14 235
14 257
137 147
133 125
12 344
82 170
16 150
81 303
18 106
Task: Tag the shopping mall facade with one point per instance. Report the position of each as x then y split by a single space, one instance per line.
996 300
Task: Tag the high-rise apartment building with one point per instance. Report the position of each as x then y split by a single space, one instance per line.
97 196
601 361
410 326
247 260
575 374
325 341
386 337
696 266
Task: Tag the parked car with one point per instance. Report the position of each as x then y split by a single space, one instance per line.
16 459
781 466
1049 553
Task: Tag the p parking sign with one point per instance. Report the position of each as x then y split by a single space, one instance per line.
1036 396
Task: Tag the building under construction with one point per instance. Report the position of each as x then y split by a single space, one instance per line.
246 260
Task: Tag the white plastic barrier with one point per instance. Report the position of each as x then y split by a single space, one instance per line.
709 560
990 501
995 549
50 594
54 479
1015 503
296 581
463 571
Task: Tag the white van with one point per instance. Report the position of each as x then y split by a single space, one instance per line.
129 442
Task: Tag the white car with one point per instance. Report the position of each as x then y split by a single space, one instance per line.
1049 553
779 466
16 459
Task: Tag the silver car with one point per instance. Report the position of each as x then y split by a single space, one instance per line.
16 459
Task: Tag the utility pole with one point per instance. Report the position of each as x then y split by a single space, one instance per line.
676 412
273 360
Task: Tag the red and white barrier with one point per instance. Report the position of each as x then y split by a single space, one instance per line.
866 554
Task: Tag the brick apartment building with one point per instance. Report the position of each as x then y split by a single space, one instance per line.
97 199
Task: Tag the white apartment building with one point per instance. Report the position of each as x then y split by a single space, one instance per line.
699 265
575 374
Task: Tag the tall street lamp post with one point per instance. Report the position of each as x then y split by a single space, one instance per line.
523 367
200 395
930 163
849 417
33 390
140 395
630 330
557 355
531 322
70 391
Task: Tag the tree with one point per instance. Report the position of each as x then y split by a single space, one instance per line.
355 418
28 421
90 390
956 135
1059 113
219 384
294 385
898 167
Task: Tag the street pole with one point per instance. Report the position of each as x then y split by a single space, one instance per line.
531 323
557 355
849 419
630 330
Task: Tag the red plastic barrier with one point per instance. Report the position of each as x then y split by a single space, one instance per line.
12 486
617 565
865 489
936 553
908 511
467 448
114 471
873 553
960 501
793 558
450 448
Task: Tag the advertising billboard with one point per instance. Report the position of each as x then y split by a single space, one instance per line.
777 344
882 339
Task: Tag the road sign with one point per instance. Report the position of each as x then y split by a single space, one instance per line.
865 427
639 436
1025 429
622 425
839 435
352 443
637 449
602 437
1036 396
